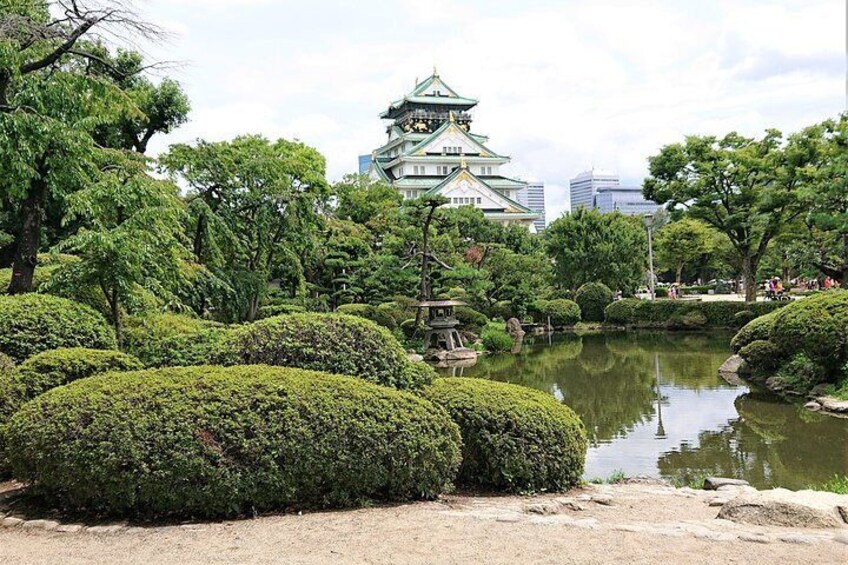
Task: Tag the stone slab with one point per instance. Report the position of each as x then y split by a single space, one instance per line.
781 507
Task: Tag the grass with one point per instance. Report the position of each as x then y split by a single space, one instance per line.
695 481
838 484
616 477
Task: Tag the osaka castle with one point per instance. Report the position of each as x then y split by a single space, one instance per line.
431 150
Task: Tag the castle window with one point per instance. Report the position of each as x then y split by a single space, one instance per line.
479 200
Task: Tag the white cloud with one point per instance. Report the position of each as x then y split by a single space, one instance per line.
563 85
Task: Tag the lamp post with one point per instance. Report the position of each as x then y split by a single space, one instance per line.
649 223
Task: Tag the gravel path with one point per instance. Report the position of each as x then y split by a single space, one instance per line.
623 523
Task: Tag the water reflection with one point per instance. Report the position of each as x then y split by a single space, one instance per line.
653 403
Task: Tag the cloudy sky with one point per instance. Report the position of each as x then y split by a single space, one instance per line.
563 85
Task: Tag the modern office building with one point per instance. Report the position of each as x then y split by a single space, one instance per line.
533 196
431 150
585 186
626 199
602 190
364 164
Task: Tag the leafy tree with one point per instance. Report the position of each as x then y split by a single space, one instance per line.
682 243
251 202
588 246
50 106
133 239
746 188
366 201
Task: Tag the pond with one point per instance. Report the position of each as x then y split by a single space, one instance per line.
654 404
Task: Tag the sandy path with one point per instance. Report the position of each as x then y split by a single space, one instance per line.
625 523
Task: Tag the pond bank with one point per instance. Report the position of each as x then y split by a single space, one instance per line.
642 522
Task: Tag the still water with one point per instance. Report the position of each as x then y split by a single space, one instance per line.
653 404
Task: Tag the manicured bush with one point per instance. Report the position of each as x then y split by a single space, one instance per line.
58 367
380 316
272 310
212 441
593 298
670 313
661 292
495 338
514 439
761 355
743 317
7 365
757 329
816 326
172 340
470 319
336 343
32 323
561 312
691 320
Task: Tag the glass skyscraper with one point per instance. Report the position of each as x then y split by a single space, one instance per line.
533 196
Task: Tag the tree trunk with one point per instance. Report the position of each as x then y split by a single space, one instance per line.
749 276
28 239
679 273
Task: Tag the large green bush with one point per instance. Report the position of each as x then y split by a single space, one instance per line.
170 340
514 438
212 441
6 364
470 319
271 310
336 343
755 330
561 312
672 313
32 323
816 326
495 338
58 367
593 298
761 355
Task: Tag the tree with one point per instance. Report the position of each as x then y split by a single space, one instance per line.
251 202
745 188
49 107
588 246
682 243
133 241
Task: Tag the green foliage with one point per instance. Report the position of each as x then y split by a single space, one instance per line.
32 323
743 318
668 313
385 315
168 340
470 319
815 326
838 484
57 367
801 373
514 439
7 365
212 442
682 243
757 329
593 298
761 355
323 342
588 246
495 338
562 312
272 310
691 320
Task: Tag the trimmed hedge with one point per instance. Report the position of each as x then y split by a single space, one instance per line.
671 313
761 354
562 312
58 367
336 343
32 323
213 441
272 310
495 338
172 340
6 364
593 298
755 330
514 439
817 327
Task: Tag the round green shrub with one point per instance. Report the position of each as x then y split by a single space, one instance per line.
272 310
172 340
761 355
7 365
593 298
337 343
744 317
212 441
561 312
755 330
622 312
32 323
58 367
514 438
470 319
816 326
495 338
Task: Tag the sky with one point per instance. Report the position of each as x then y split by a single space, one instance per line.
564 86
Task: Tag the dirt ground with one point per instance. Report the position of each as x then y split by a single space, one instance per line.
634 523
